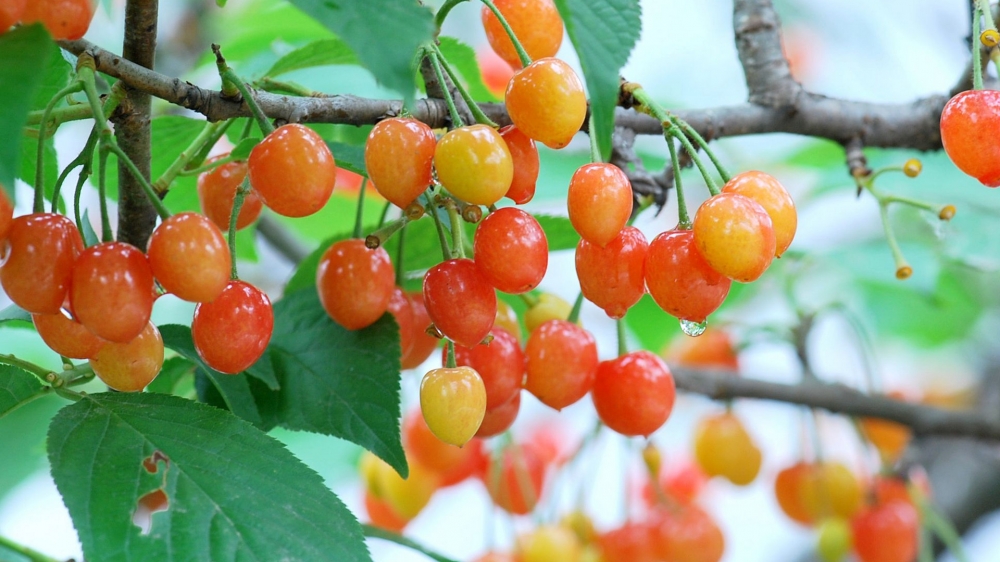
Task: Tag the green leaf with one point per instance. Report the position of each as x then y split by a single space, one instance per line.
242 150
29 164
22 432
349 157
324 52
56 76
14 313
22 52
234 493
174 369
603 33
559 231
463 59
336 381
17 388
90 237
385 34
234 389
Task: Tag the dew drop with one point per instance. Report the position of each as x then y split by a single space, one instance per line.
693 329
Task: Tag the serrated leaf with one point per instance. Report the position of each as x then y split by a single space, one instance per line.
22 52
234 493
349 157
603 33
463 59
17 388
324 52
385 34
336 381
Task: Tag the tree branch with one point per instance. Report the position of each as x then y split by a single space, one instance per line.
758 41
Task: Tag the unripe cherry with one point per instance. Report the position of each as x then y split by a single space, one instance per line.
189 257
547 102
399 155
453 402
293 171
723 447
634 394
548 307
381 514
562 360
501 364
768 192
612 277
505 234
599 201
355 283
130 367
474 164
460 301
735 236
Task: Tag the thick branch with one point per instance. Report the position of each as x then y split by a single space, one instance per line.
758 41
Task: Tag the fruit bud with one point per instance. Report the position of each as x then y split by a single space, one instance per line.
947 212
912 168
990 38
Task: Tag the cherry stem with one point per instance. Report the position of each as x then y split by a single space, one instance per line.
528 299
574 314
102 172
521 53
272 85
984 7
379 237
457 230
76 86
154 199
622 337
233 85
41 372
241 194
208 167
207 133
693 133
32 555
683 218
371 531
595 149
903 269
400 273
443 12
450 361
477 112
360 213
938 524
432 211
456 119
82 161
977 66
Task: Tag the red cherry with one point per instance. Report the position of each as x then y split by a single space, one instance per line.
500 363
599 202
293 171
64 19
524 154
687 533
452 464
612 277
399 155
887 532
217 194
499 419
112 291
511 233
67 337
129 367
355 283
423 344
189 257
231 332
515 481
634 394
460 301
680 280
402 312
562 361
36 261
632 542
968 122
11 12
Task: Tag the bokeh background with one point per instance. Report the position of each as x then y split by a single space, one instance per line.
930 337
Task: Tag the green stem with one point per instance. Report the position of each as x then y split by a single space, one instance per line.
102 172
32 555
693 133
37 370
76 86
209 166
457 230
574 314
443 12
911 202
385 213
939 525
521 53
162 184
399 257
151 194
272 85
595 149
984 7
432 210
477 111
206 149
683 218
377 533
622 340
231 84
75 112
903 269
450 360
82 161
977 66
713 188
456 119
360 213
378 238
241 194
529 300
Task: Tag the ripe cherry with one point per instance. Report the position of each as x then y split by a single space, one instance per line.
460 301
547 543
355 283
112 276
686 532
682 482
6 212
886 532
189 257
632 542
423 344
515 481
680 280
452 464
536 23
612 277
66 336
499 419
501 236
547 102
381 514
500 363
548 307
495 71
11 12
217 194
712 350
723 447
129 367
562 361
474 164
453 402
64 19
809 492
599 202
634 394
967 124
399 155
771 195
293 171
524 155
735 236
36 261
232 332
402 312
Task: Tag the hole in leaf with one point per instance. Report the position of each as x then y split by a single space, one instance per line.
147 505
149 463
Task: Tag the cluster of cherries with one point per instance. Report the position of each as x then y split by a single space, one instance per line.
64 19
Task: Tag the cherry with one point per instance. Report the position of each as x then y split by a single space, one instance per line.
293 171
6 208
399 155
452 464
547 102
632 542
889 438
515 481
405 497
735 236
834 541
536 23
355 283
507 319
495 71
886 532
547 543
524 155
562 361
723 447
548 307
712 350
612 277
599 202
129 367
680 280
634 394
402 312
499 419
808 492
36 261
423 344
768 192
189 257
967 124
66 336
64 19
507 233
460 301
112 276
232 332
501 364
686 533
217 194
381 514
683 482
453 402
11 12
474 164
